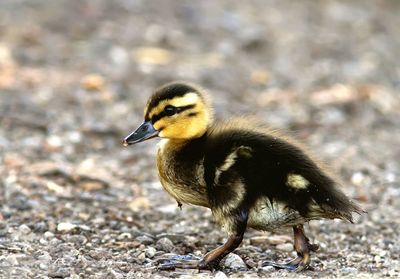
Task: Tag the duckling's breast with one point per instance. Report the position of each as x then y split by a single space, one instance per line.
182 176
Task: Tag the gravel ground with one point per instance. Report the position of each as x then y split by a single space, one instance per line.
75 75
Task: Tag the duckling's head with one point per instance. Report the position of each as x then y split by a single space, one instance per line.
177 110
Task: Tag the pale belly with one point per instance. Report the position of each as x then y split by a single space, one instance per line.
272 217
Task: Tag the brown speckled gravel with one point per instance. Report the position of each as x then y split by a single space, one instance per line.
75 75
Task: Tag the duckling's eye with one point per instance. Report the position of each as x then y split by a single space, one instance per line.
170 110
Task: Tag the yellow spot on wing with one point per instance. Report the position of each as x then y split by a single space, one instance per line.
297 181
230 160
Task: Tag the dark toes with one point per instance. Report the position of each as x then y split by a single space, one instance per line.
295 265
313 247
301 267
166 266
185 258
184 262
204 265
287 266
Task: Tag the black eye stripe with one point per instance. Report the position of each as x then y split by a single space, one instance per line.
171 91
170 110
180 109
162 114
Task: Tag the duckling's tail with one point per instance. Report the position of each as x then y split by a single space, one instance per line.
331 199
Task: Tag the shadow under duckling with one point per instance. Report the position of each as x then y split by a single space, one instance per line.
247 174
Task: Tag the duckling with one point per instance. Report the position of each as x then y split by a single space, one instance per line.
248 174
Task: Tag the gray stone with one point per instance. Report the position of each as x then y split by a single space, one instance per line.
115 274
286 247
124 235
24 229
268 268
349 270
66 227
43 241
235 262
150 252
43 266
48 235
45 257
172 236
220 275
144 239
165 244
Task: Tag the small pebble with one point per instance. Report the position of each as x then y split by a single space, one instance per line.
48 235
150 252
124 236
116 274
266 240
258 240
43 266
66 227
3 233
22 203
268 268
359 178
146 240
235 262
44 257
93 82
142 256
165 244
76 238
24 229
99 254
12 259
43 241
349 270
173 237
220 275
286 247
60 273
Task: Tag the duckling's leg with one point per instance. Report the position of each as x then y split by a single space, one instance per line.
211 259
237 218
303 249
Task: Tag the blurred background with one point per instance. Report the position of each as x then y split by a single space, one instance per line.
74 78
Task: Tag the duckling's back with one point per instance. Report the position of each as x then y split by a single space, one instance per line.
260 170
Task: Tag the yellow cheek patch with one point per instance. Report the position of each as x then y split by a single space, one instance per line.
162 123
182 127
191 123
188 99
297 181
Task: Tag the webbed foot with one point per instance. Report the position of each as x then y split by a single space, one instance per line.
187 262
296 265
303 249
184 262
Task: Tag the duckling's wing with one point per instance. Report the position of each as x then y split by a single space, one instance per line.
242 165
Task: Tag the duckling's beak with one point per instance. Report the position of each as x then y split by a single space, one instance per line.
144 132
